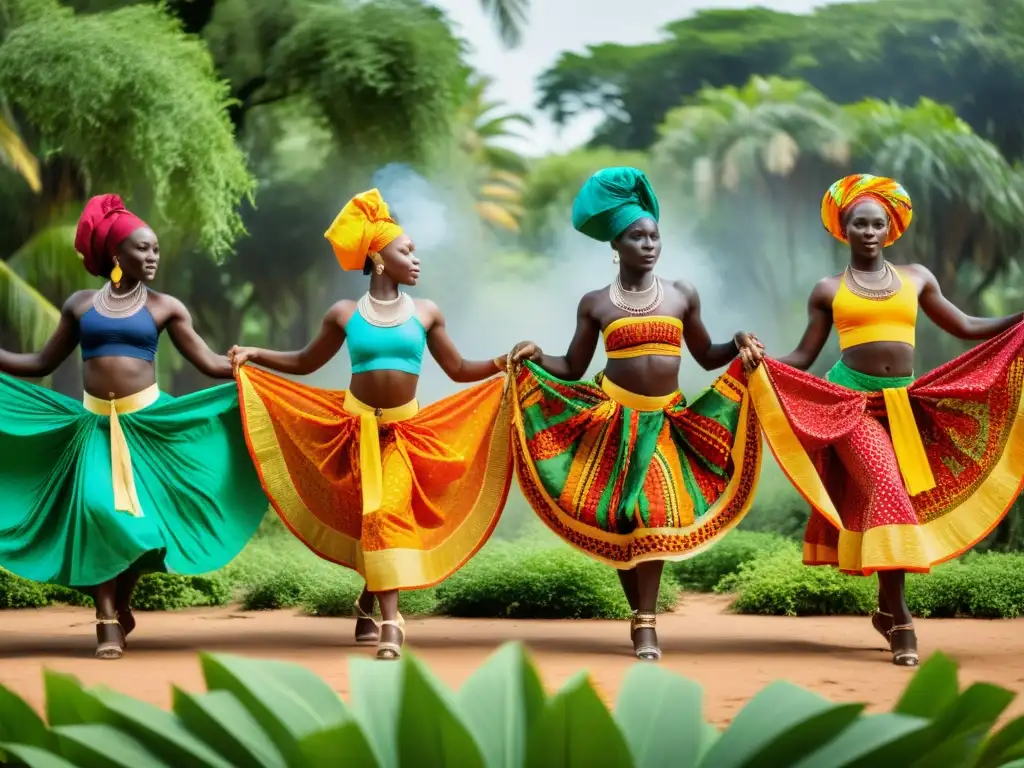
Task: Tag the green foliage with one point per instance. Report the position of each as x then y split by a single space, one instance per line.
269 713
778 584
537 579
136 106
171 591
703 572
387 89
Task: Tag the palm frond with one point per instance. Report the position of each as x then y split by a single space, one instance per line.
24 309
18 156
49 263
509 16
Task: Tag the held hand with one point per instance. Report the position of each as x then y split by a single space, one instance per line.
527 350
239 356
751 350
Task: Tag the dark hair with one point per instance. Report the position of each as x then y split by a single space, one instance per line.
368 266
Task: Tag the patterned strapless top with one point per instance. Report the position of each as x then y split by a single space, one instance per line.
639 336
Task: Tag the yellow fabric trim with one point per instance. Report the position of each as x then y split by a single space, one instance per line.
266 452
623 540
623 322
906 442
371 477
635 402
786 447
126 497
641 350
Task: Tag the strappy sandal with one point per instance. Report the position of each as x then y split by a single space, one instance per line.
882 629
905 658
111 649
645 621
392 651
365 638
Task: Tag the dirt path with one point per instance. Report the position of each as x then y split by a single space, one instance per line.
731 656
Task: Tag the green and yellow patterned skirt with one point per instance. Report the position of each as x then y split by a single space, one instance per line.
627 478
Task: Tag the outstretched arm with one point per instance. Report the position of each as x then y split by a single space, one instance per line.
442 348
313 357
36 365
708 356
819 325
191 345
573 364
952 320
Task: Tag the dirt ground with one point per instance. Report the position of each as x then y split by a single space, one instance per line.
731 656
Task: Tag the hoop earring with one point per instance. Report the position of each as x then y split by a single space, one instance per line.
379 269
615 258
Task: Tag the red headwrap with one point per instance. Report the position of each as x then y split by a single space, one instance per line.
105 224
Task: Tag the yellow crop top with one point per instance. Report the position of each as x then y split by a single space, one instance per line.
638 336
863 321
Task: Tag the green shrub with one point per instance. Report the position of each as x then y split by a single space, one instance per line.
335 595
985 586
779 584
16 592
278 589
703 572
260 712
172 591
527 580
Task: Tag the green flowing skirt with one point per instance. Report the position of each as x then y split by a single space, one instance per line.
200 495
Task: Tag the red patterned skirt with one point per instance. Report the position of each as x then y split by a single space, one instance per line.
838 447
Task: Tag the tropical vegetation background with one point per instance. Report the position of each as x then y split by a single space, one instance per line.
239 127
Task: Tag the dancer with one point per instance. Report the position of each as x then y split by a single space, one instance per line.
901 474
131 479
622 468
364 478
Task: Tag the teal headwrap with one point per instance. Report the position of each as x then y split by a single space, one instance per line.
611 200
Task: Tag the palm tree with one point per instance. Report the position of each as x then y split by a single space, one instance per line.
497 172
509 18
968 201
754 153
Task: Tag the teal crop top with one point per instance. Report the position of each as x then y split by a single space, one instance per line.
372 348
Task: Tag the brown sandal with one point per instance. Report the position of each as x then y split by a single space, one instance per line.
904 658
644 621
882 628
365 638
110 649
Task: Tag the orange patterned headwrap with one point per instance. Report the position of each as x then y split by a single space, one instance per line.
848 191
364 226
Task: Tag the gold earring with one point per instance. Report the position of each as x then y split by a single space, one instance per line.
116 274
379 269
615 258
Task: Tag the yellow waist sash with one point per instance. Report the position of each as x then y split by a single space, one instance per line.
126 498
633 401
371 471
906 442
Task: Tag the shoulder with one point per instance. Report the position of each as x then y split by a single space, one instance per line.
591 299
78 303
917 271
340 312
824 292
166 303
428 312
685 288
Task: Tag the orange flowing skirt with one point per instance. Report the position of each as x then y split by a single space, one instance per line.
436 480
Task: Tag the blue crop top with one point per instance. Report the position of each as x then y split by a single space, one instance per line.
372 348
133 336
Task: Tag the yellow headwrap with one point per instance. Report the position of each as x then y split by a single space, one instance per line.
843 194
364 226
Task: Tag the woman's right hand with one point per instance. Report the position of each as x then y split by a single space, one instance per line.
239 356
527 350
